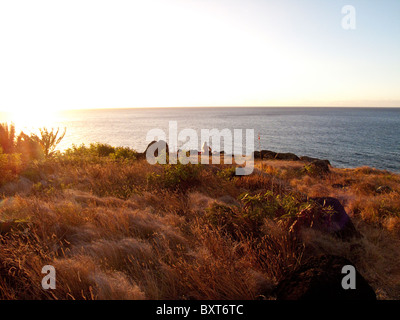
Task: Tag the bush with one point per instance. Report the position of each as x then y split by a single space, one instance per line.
49 140
29 148
250 217
227 174
102 150
176 177
124 153
181 176
222 215
94 150
7 137
10 167
261 206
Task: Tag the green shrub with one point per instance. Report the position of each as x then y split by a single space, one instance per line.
94 150
101 149
10 167
227 174
32 172
154 179
97 151
175 177
124 153
268 205
181 176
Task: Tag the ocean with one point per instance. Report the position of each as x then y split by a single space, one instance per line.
348 137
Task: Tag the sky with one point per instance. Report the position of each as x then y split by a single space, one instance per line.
82 54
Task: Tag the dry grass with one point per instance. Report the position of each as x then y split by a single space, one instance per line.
131 230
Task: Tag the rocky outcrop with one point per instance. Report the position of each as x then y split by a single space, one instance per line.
264 154
310 159
317 167
271 155
328 216
320 278
339 223
287 156
158 147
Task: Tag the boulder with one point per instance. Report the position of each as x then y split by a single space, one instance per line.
310 159
140 155
320 278
264 154
328 216
156 148
160 145
317 167
286 156
267 154
257 155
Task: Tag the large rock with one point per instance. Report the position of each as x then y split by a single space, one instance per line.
286 156
318 168
320 278
155 149
267 154
311 159
328 216
264 154
158 146
271 155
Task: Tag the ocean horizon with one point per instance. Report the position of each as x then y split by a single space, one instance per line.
347 136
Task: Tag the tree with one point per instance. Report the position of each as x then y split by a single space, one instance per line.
49 140
29 147
7 137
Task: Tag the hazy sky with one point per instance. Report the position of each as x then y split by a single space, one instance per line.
105 54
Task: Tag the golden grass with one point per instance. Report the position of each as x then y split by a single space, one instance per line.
128 230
